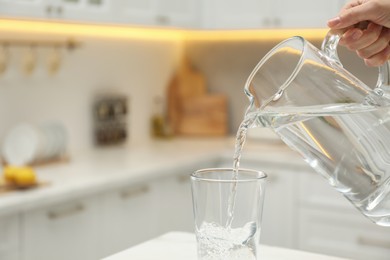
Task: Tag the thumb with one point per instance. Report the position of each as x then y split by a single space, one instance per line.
351 16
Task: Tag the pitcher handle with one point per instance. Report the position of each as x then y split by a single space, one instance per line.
329 48
329 45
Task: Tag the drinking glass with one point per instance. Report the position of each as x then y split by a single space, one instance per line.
228 207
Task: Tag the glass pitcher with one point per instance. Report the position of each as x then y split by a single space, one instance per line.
338 124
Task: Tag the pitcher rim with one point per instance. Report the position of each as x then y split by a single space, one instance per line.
268 55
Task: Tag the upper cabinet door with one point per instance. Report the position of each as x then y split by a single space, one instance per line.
75 10
182 13
233 14
23 8
205 14
135 11
85 10
304 13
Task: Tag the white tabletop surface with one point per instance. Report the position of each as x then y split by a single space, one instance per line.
180 246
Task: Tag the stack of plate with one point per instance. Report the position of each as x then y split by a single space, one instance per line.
26 143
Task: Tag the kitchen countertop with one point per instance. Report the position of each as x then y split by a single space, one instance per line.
180 245
102 169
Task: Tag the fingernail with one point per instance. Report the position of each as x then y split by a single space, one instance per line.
334 21
369 63
356 35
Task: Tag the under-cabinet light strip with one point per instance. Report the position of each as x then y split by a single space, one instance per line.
70 29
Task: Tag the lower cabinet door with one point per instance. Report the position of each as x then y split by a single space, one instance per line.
9 237
127 215
329 224
64 231
344 235
173 204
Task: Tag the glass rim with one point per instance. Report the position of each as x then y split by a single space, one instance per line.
260 175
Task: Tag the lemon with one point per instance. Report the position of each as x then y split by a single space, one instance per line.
24 177
9 173
20 176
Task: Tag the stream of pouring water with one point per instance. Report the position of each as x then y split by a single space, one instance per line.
239 144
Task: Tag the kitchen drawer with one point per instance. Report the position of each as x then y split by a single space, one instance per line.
173 204
9 237
127 217
70 230
341 234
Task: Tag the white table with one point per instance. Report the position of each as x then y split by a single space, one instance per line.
180 246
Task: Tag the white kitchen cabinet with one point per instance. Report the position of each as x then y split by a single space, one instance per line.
232 14
328 223
280 211
345 235
85 10
9 237
182 13
70 230
210 14
173 204
135 11
127 217
133 214
76 10
304 13
245 14
24 8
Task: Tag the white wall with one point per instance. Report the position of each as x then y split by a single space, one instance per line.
137 68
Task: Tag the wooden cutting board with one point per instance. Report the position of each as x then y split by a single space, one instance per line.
191 111
206 115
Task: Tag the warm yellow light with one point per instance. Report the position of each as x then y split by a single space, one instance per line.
130 32
260 34
88 30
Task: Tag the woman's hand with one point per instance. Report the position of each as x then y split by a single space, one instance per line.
372 41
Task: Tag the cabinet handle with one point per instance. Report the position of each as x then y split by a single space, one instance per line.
68 211
163 20
49 9
266 22
126 194
277 22
373 242
60 10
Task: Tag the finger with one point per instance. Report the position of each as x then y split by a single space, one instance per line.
351 35
377 46
351 4
353 15
369 36
379 58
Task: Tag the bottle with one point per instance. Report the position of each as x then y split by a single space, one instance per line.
159 125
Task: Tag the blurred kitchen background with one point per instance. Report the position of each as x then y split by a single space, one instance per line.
147 91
